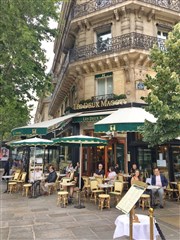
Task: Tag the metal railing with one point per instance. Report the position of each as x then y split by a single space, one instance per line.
102 97
63 70
124 42
95 5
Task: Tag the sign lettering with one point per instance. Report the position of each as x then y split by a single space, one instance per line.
99 104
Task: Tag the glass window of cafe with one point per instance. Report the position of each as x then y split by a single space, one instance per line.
144 157
176 162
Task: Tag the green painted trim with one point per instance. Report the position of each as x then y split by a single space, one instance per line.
107 74
89 118
119 127
29 131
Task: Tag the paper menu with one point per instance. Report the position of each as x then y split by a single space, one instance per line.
131 197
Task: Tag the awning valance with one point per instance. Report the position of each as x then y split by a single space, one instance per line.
42 128
91 116
124 120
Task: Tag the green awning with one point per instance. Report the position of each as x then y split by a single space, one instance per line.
42 128
118 127
124 120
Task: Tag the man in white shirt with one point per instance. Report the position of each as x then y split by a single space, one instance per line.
36 180
161 182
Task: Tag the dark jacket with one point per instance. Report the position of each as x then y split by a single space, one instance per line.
51 177
99 172
164 181
7 166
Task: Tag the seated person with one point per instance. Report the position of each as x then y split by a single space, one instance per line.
111 174
77 167
49 181
160 181
117 168
133 169
131 173
36 180
69 168
99 172
136 176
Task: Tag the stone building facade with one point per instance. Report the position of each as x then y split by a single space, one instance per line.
100 64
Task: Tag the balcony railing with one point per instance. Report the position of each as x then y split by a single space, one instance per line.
116 44
61 75
102 97
95 5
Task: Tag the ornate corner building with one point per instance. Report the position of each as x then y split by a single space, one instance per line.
100 65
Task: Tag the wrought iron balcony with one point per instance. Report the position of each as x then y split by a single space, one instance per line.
116 44
95 5
61 75
102 97
111 96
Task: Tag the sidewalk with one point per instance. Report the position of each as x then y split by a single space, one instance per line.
40 218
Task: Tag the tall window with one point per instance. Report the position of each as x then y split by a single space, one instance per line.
103 36
104 84
162 36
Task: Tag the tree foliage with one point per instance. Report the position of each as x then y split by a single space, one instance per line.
24 24
15 114
164 97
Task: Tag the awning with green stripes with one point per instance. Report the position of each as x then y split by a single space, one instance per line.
42 128
124 120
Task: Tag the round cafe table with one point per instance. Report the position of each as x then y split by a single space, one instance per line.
141 231
67 185
7 177
105 186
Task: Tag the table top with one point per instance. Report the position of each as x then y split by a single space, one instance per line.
175 183
106 179
126 175
105 185
92 178
141 231
67 184
62 174
150 187
7 176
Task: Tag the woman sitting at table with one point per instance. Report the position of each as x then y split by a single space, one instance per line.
136 176
111 174
69 168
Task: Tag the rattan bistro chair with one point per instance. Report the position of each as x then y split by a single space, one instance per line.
95 190
118 189
171 192
21 181
16 176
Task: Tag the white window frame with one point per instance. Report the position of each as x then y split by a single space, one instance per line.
106 87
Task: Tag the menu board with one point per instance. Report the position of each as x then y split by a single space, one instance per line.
131 197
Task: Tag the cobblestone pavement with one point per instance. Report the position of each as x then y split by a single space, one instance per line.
40 219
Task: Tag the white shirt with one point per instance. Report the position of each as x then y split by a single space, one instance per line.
112 175
35 176
158 181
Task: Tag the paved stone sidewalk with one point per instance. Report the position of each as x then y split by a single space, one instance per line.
40 219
